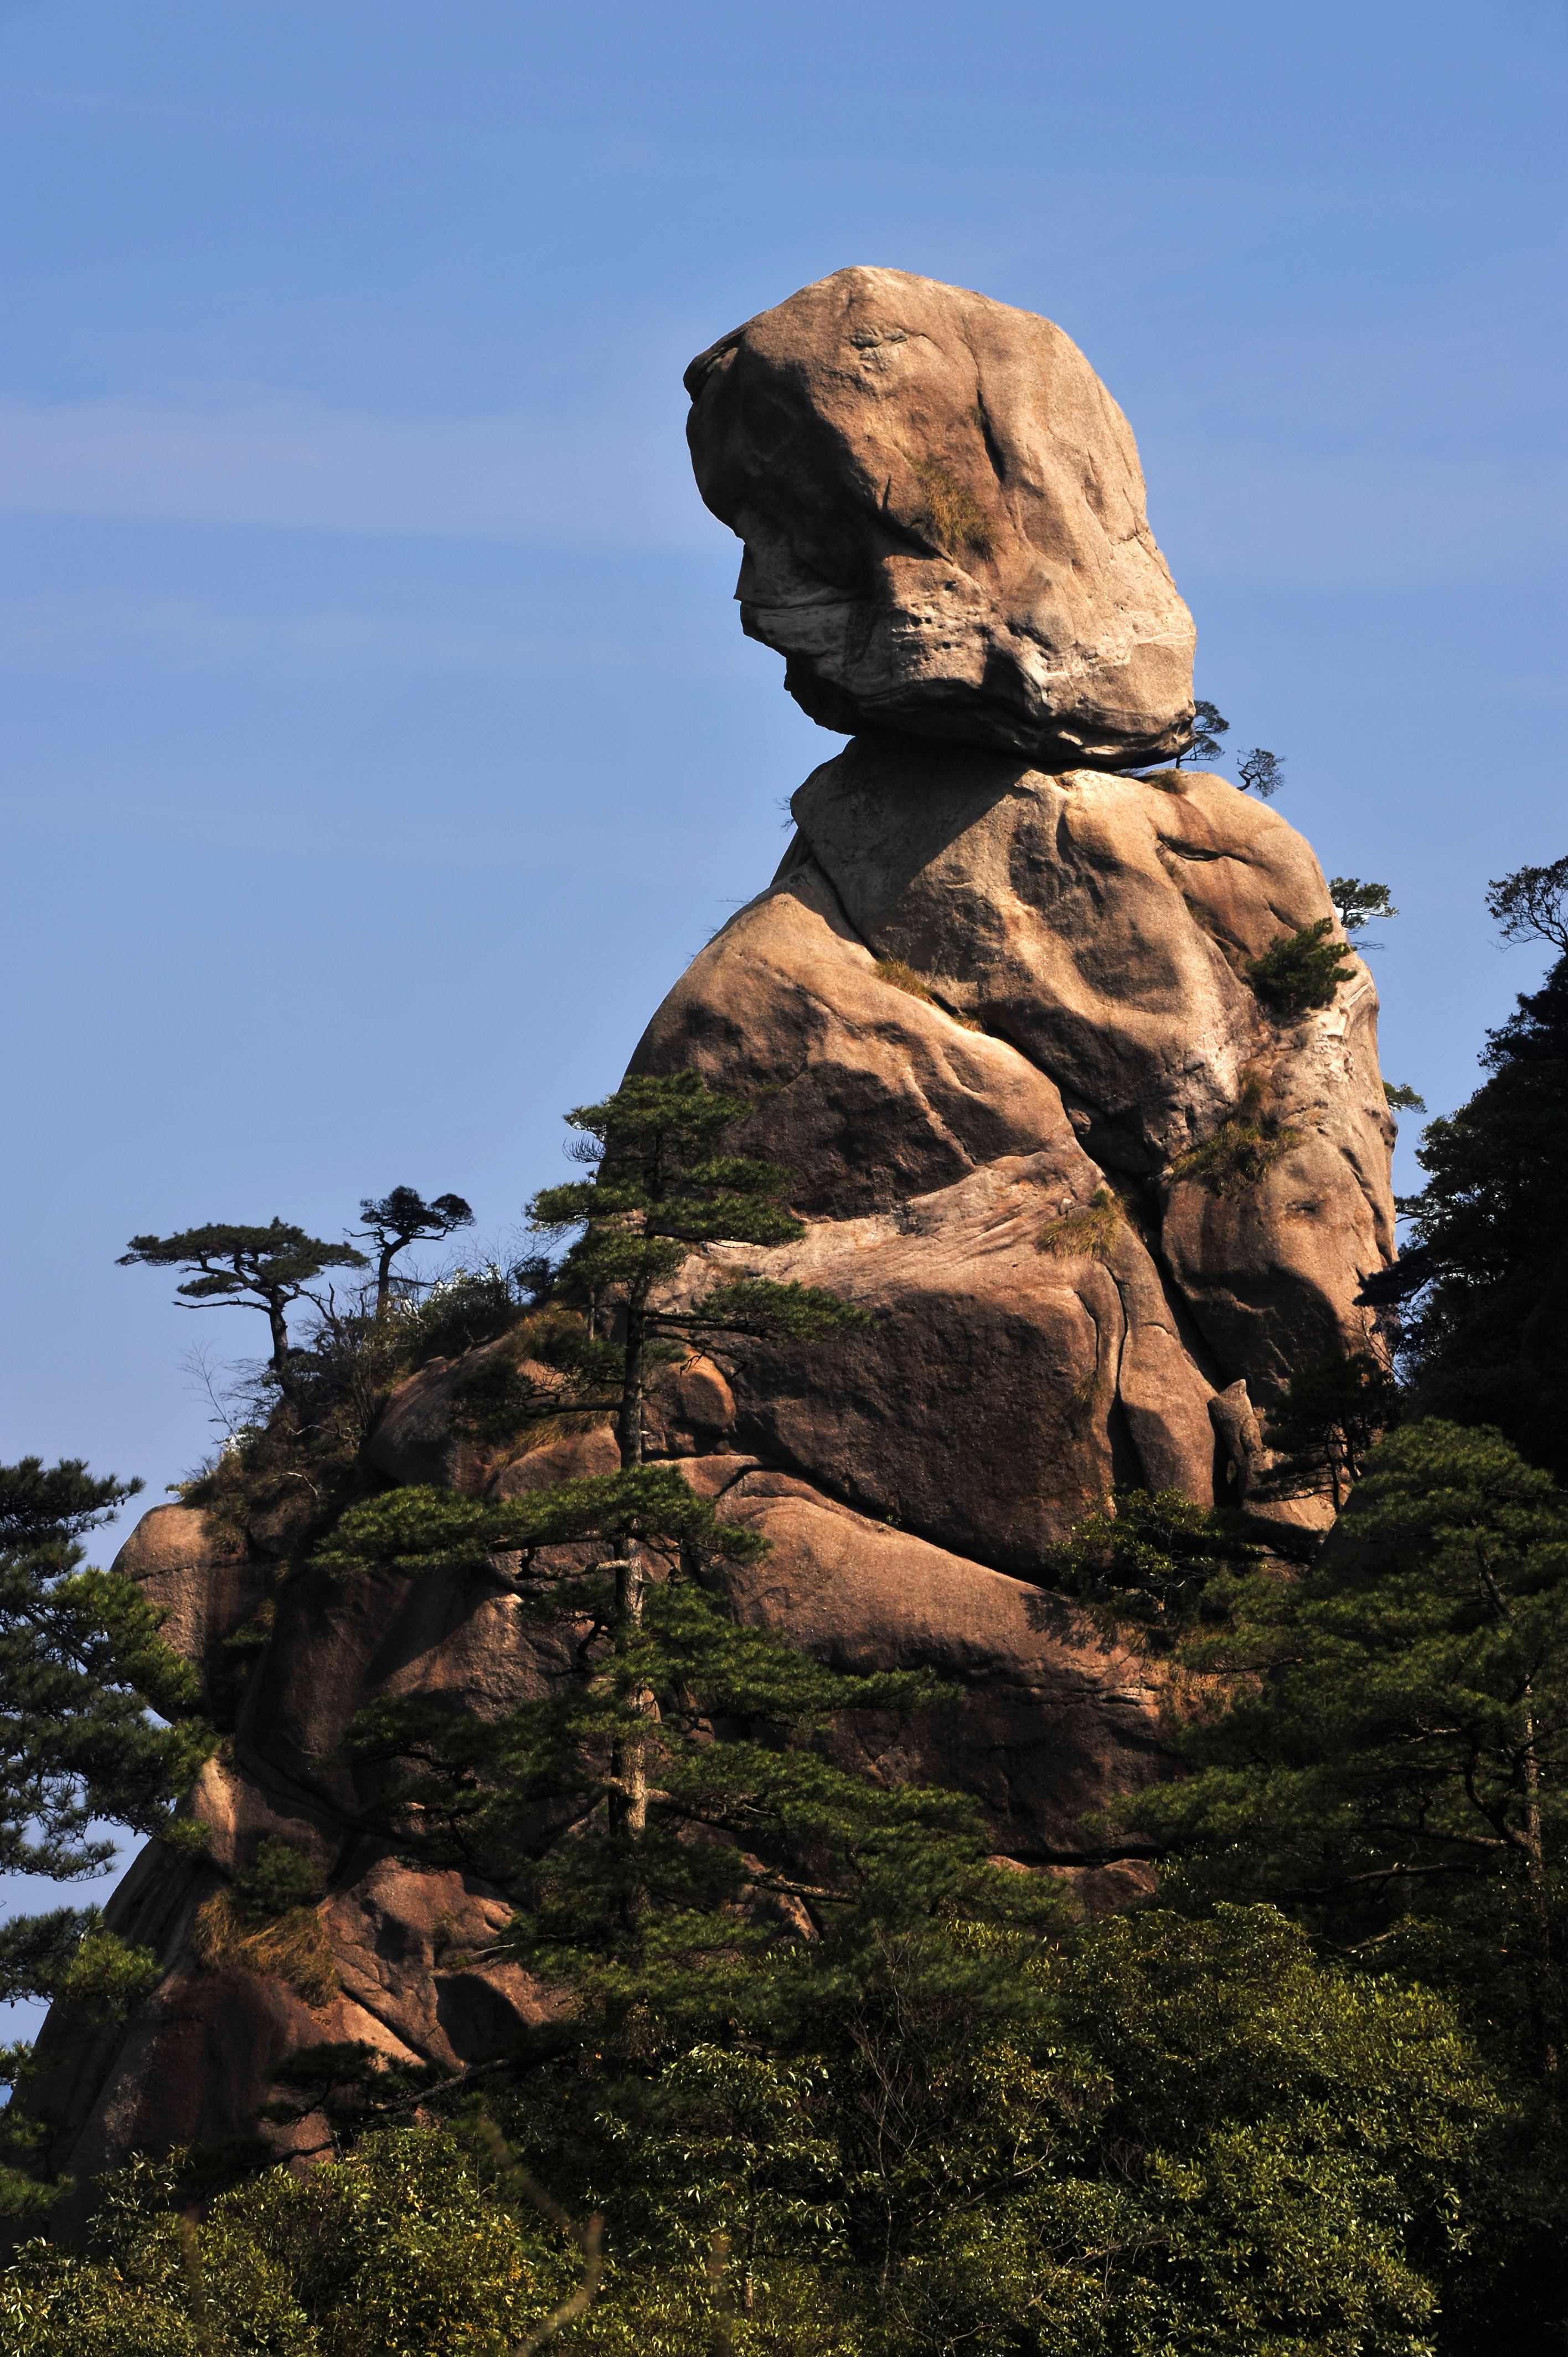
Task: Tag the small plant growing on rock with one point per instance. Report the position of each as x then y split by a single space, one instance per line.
1358 902
1091 1232
1245 1146
279 1878
266 1921
915 985
1209 725
1299 971
956 517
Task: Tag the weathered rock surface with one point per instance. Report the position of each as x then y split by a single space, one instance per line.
209 1588
1093 926
944 522
997 1019
1055 1720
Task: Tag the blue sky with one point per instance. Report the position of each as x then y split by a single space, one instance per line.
379 739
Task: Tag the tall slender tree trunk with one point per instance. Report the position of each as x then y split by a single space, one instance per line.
276 1320
1547 2027
629 1766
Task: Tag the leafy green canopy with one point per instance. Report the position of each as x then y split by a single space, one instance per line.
394 2253
1393 1762
1166 2135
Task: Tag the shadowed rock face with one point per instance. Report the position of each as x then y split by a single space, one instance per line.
944 522
989 1012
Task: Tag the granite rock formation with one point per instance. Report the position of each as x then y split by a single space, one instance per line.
996 1017
944 523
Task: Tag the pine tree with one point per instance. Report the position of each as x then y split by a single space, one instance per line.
1490 1275
1209 725
1393 1764
1262 772
255 1268
664 1188
1356 903
683 1756
1324 1424
83 1669
394 1222
1299 971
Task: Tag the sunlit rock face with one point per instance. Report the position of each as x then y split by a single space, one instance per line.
989 1014
994 1014
944 523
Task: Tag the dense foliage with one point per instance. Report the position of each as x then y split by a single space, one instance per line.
1166 2135
820 2075
1490 1342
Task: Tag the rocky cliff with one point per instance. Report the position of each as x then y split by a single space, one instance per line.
994 1012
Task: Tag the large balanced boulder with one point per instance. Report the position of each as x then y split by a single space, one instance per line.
944 522
999 1015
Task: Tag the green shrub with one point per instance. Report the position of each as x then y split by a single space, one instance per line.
1299 971
280 1878
396 2252
470 1307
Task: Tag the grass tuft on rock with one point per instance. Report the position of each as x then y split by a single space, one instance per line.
292 1947
1090 1233
1245 1146
903 977
267 1922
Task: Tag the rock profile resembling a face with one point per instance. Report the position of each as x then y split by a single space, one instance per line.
944 523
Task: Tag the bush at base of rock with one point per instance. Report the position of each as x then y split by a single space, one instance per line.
1203 2137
